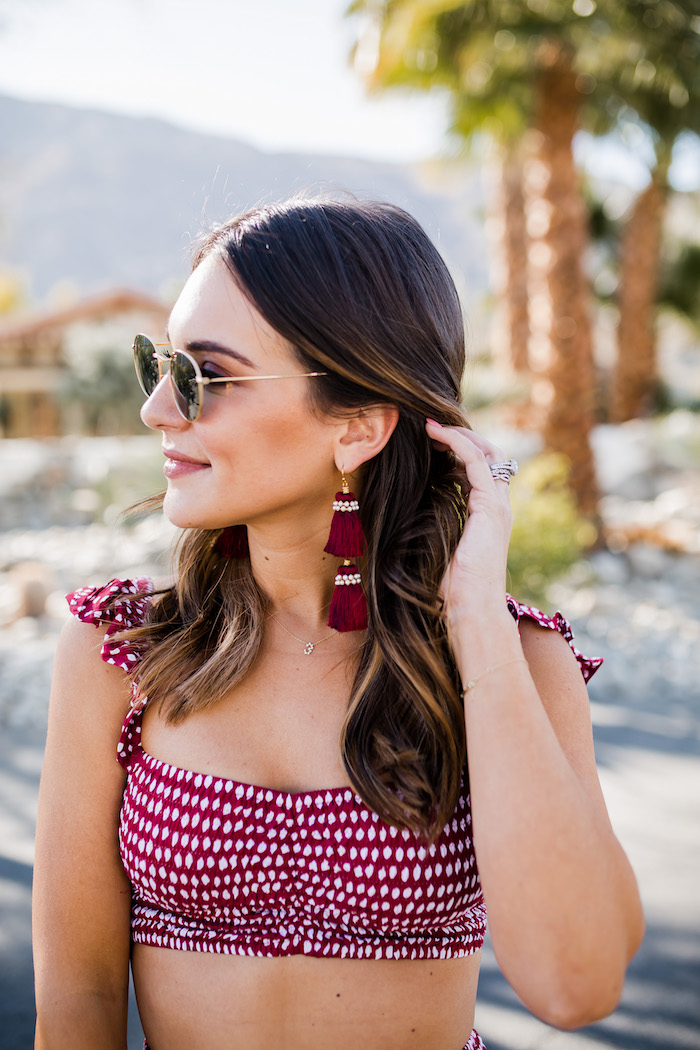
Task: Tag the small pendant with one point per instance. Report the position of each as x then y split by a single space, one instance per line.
308 648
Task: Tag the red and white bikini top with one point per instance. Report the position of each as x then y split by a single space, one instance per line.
221 866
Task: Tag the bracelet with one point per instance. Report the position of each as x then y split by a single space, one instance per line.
472 681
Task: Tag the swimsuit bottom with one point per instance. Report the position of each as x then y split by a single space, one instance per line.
474 1042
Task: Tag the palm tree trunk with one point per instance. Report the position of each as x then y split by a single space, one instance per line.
511 322
636 376
561 350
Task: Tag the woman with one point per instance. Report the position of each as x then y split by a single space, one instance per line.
296 859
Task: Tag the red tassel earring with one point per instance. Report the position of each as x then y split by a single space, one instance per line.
348 611
346 538
233 542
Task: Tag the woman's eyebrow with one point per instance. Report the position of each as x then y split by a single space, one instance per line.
207 346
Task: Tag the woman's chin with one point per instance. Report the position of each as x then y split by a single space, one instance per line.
183 517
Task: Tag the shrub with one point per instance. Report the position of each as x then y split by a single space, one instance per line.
548 536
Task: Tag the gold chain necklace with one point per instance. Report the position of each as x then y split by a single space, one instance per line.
308 646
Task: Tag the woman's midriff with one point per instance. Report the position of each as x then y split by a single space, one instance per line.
201 1001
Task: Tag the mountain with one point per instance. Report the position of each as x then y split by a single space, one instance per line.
104 200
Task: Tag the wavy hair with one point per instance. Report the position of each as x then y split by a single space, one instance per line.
360 292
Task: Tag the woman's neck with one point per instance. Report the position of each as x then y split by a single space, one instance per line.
295 574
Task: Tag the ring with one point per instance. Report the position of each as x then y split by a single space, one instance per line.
504 471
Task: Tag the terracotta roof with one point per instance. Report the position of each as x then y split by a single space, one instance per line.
110 303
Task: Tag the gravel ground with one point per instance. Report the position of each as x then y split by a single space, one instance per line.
45 564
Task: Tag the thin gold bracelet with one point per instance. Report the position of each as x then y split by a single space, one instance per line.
472 681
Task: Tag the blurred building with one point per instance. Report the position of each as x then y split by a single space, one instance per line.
33 365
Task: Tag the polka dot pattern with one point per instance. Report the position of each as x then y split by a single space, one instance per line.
558 622
217 865
475 1042
120 604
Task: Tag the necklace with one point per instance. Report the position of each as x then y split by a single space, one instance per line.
308 646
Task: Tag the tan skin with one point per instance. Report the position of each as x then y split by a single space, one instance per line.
563 904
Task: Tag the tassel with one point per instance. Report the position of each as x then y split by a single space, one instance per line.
346 538
348 611
233 542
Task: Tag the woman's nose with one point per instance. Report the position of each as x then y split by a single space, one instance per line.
159 410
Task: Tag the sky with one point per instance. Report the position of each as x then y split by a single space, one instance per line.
272 73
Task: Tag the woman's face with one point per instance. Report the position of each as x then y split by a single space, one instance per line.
256 454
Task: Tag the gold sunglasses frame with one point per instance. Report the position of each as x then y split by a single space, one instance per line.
201 380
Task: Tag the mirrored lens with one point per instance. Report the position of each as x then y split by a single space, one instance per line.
185 385
147 371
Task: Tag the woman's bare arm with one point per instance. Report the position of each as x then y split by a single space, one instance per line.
563 902
81 894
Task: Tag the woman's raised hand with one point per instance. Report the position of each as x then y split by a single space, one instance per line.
476 576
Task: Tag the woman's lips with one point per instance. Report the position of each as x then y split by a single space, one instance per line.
177 466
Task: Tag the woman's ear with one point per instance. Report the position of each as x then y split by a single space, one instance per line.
365 435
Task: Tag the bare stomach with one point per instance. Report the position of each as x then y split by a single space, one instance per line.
199 1001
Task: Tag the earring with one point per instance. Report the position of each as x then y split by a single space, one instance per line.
346 538
348 611
233 542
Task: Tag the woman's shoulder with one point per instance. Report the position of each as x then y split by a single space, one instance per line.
82 682
529 615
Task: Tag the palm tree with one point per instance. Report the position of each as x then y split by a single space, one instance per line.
660 86
548 66
561 337
636 379
680 287
433 56
510 329
509 66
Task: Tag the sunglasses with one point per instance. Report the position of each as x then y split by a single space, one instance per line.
186 380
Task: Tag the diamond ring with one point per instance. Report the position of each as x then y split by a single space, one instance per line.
504 471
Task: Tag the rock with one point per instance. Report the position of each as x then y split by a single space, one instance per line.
10 601
678 439
625 459
32 581
647 561
609 567
56 606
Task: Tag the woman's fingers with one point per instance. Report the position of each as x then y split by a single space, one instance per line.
445 435
478 566
475 452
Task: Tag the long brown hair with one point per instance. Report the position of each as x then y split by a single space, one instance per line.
360 292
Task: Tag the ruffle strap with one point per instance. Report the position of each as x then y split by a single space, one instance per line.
120 605
558 622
